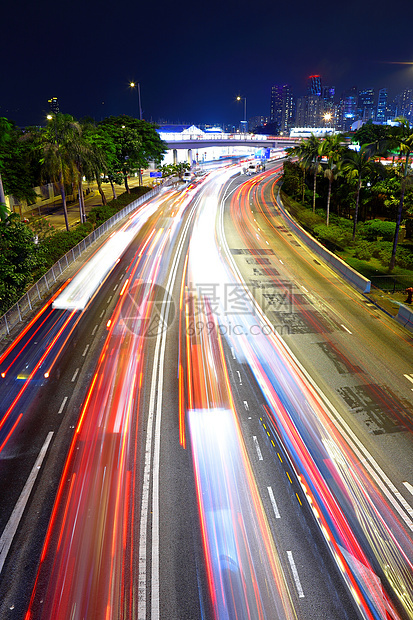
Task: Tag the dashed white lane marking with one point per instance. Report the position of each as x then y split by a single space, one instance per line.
295 574
274 503
257 447
233 353
409 378
281 261
239 377
75 375
408 486
346 328
246 405
86 350
109 299
94 330
304 289
13 523
101 314
62 406
116 287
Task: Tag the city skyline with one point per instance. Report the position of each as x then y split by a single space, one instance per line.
192 62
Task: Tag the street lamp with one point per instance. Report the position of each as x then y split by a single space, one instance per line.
132 85
327 118
245 111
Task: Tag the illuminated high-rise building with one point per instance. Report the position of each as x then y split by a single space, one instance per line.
366 105
54 105
381 115
276 105
314 86
287 109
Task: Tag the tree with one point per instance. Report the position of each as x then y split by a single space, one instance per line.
308 153
17 168
356 165
103 154
403 141
332 148
299 152
18 260
56 154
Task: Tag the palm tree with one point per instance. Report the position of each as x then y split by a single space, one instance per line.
308 153
356 164
403 140
298 151
56 161
332 148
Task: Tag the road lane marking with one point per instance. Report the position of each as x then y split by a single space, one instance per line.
408 486
233 353
75 375
409 378
239 377
346 328
109 299
116 287
257 447
295 574
13 523
274 503
154 415
101 314
246 405
62 406
94 330
86 350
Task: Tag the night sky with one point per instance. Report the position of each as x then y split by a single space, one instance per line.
193 58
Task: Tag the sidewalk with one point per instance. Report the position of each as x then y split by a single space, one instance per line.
54 214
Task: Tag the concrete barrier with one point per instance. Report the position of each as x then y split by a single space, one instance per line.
350 274
405 317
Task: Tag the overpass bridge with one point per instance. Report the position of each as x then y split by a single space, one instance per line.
226 144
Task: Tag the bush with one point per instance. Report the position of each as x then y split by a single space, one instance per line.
363 251
377 228
333 234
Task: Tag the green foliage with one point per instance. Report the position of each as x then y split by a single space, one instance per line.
378 228
18 260
292 179
334 235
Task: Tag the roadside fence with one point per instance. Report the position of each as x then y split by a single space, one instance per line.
21 309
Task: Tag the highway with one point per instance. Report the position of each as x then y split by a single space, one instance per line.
207 422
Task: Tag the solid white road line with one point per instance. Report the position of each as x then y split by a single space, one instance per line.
274 504
13 523
295 574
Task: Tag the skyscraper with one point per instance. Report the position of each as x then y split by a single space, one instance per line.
287 109
314 85
366 105
381 115
276 105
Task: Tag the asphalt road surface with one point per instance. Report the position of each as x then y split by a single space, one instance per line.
223 430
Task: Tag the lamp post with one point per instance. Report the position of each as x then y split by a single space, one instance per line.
132 85
245 111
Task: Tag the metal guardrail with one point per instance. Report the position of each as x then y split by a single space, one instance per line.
19 311
391 284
